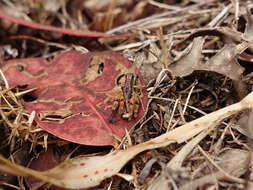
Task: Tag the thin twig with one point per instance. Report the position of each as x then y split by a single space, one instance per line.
148 19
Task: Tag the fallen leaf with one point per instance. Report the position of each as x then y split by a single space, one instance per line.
190 60
234 162
224 62
75 93
248 33
43 161
244 127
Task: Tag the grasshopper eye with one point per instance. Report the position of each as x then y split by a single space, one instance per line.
118 82
101 67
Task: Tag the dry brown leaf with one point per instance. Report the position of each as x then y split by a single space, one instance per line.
248 33
233 162
189 61
245 123
224 62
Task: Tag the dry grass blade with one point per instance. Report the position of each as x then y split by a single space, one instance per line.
148 20
217 19
163 5
109 16
15 119
84 172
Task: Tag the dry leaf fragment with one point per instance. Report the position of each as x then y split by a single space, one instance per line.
224 62
233 162
190 61
245 126
248 33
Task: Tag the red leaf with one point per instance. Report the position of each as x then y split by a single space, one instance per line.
43 161
75 94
